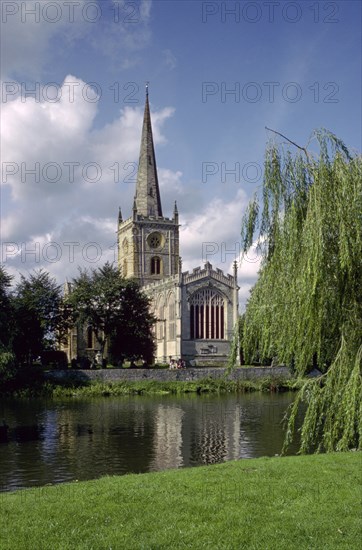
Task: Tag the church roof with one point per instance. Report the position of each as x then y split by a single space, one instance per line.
147 197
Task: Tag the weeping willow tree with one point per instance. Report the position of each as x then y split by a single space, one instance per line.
306 307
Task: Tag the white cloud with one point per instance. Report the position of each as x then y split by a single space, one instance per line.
169 59
145 9
244 293
50 136
123 38
28 28
171 188
249 263
213 233
60 225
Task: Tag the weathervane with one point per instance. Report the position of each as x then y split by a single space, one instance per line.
147 83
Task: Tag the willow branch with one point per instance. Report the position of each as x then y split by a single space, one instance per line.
290 141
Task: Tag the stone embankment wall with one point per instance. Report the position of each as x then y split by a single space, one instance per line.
166 375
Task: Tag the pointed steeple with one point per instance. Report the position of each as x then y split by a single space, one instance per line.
147 198
120 219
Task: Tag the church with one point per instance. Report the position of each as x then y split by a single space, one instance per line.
196 311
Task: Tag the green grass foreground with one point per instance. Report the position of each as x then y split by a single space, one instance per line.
311 502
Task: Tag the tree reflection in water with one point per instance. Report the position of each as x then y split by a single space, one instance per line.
52 442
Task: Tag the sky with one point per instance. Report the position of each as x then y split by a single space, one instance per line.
73 77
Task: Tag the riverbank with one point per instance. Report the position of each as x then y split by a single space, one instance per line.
245 373
153 387
113 382
71 388
275 503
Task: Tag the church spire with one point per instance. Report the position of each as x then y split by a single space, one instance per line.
147 198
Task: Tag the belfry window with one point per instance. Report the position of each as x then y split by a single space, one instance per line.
155 265
207 316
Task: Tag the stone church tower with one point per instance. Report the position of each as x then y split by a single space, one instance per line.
196 312
148 242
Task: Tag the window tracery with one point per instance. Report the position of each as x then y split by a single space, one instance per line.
207 315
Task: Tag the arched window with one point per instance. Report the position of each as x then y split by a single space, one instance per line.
125 245
171 317
124 270
207 316
89 336
156 265
160 319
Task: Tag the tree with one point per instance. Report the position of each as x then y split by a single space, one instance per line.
6 310
8 366
116 310
306 307
39 315
132 338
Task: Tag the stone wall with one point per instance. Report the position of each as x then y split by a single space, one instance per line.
166 375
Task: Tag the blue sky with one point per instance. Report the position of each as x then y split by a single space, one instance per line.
293 66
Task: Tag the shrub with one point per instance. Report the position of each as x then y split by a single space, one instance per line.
8 367
56 359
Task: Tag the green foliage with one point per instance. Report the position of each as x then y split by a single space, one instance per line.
236 355
19 380
116 309
306 307
132 337
95 299
38 315
333 418
32 319
6 310
8 368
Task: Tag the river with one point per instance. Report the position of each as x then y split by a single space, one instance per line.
81 439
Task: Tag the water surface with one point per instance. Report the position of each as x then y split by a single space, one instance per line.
80 439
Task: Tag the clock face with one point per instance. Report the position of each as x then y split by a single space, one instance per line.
154 240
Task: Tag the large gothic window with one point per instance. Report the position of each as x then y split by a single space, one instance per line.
207 316
156 265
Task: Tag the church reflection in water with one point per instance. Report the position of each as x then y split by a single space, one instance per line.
86 439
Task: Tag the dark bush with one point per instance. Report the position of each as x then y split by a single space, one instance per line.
54 359
8 367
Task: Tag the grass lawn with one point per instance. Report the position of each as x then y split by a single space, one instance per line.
268 503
